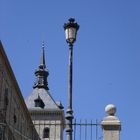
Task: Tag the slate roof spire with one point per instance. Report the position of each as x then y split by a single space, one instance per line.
42 61
42 73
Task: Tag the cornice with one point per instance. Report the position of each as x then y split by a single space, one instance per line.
46 111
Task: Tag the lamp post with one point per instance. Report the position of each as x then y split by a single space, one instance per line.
71 29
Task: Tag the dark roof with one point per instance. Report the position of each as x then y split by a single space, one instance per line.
45 97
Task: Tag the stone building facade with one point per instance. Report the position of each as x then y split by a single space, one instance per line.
15 120
47 114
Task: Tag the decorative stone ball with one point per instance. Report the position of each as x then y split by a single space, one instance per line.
110 110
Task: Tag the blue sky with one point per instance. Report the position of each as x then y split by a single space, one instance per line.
106 53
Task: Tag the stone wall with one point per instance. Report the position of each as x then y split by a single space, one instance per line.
53 120
15 120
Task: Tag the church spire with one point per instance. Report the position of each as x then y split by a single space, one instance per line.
42 73
42 61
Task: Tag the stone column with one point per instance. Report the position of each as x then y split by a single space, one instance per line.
111 125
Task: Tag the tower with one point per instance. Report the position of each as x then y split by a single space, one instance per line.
47 114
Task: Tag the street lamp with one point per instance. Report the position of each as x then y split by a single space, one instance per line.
71 29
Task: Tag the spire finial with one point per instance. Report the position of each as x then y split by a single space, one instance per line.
42 73
43 44
42 61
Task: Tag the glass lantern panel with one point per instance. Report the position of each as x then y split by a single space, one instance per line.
66 33
72 32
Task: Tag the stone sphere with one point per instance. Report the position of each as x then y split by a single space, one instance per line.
110 109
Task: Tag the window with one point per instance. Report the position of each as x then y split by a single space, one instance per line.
46 132
39 102
15 118
6 98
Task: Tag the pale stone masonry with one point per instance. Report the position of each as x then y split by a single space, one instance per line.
111 125
48 119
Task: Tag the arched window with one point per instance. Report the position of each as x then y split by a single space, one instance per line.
46 132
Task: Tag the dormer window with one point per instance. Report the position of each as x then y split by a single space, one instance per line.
39 102
46 132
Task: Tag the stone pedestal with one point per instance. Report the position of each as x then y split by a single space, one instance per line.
111 125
